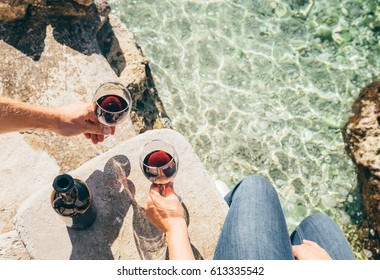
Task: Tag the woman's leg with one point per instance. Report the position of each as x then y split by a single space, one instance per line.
326 233
255 226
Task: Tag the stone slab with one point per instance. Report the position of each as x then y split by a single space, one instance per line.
121 230
60 62
22 171
11 247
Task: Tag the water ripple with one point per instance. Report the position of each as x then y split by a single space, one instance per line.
264 87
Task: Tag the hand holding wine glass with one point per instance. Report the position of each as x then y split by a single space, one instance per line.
67 120
164 211
164 208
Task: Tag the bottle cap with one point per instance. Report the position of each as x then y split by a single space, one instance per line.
63 183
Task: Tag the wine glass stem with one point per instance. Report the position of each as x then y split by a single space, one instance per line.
162 189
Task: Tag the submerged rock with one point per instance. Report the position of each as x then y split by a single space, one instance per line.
362 137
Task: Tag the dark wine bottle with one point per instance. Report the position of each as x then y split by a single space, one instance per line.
72 200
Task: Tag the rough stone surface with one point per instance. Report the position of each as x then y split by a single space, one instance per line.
9 13
119 188
85 2
12 247
11 10
53 56
22 171
362 137
60 61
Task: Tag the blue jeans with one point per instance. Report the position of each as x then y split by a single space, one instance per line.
255 227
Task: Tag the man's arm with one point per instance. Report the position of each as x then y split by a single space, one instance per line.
67 120
15 116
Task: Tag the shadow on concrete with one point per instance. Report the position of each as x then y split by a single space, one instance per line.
197 254
85 33
113 195
150 241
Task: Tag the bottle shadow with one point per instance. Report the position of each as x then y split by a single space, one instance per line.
112 197
88 34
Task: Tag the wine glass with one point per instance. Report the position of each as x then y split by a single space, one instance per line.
113 103
159 163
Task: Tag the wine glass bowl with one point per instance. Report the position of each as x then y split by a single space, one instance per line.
159 162
113 103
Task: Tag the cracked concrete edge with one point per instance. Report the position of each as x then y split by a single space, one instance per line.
12 247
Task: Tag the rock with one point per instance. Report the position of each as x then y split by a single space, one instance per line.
12 248
10 12
58 61
23 169
85 2
121 230
53 56
362 138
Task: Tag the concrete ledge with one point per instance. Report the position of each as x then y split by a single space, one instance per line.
12 248
121 230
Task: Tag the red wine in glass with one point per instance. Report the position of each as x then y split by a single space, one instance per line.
159 162
112 109
159 167
112 103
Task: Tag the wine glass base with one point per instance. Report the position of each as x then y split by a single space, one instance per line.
109 141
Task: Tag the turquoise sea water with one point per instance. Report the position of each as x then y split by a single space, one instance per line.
265 87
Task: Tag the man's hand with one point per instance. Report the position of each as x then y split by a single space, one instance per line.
310 250
68 120
80 118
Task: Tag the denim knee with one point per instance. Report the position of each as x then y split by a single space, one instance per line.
256 181
307 227
326 233
319 218
251 186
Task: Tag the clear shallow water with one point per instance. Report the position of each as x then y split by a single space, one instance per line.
265 87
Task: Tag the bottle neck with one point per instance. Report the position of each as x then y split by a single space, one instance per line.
64 185
70 196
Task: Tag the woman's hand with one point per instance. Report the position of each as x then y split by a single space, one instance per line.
310 250
164 210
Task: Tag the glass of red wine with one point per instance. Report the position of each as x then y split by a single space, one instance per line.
113 103
159 163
